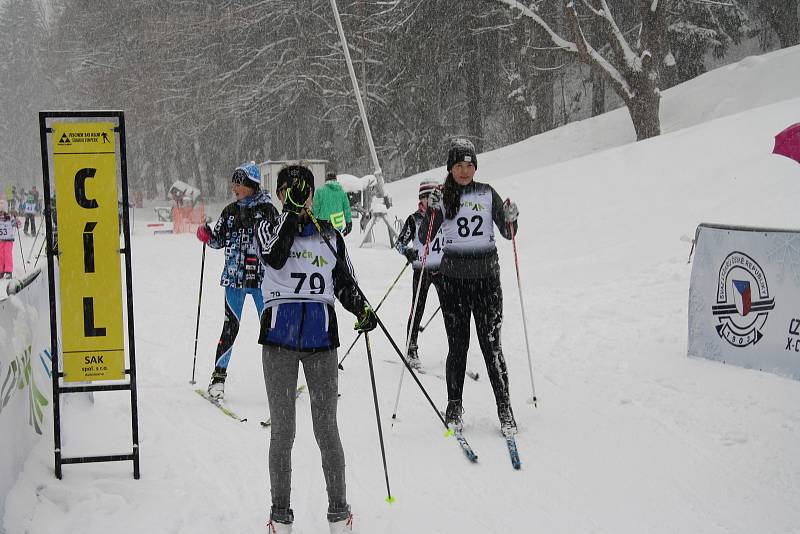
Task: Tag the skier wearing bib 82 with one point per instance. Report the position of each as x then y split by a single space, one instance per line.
302 280
415 252
242 274
467 212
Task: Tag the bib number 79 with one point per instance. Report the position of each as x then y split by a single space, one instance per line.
316 283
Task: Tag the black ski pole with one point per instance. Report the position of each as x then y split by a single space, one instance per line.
413 314
422 328
380 323
33 245
522 307
389 497
353 344
19 237
199 300
39 254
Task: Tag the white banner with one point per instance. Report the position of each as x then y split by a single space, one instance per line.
25 384
744 298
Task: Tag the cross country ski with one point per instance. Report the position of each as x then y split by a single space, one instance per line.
224 409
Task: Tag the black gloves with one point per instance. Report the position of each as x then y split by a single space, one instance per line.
410 253
367 321
296 195
347 228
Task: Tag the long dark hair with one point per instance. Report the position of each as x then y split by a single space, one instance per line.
451 196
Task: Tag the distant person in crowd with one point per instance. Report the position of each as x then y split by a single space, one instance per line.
8 227
29 209
413 248
299 325
177 197
11 198
243 272
331 204
467 213
8 193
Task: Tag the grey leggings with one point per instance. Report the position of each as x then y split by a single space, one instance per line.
280 377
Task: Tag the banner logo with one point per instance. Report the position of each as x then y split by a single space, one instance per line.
741 317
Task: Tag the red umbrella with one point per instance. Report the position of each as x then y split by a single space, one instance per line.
787 143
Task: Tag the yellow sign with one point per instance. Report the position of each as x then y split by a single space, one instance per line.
90 279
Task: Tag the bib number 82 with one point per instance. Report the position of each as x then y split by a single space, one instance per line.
464 227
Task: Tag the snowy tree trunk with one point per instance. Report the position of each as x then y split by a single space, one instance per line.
786 21
644 111
598 94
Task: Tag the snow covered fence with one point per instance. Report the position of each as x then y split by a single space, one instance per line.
25 384
744 298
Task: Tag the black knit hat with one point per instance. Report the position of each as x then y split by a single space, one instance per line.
461 149
288 174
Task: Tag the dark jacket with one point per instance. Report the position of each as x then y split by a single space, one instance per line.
304 322
235 232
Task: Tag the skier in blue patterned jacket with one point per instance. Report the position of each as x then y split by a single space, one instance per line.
302 279
242 273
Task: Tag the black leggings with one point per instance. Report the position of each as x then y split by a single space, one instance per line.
427 280
483 299
30 224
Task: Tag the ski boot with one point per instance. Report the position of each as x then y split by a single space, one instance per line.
413 357
280 521
216 389
508 426
453 415
341 523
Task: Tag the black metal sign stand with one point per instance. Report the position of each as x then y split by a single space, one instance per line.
58 389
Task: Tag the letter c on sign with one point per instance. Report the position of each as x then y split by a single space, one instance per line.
80 188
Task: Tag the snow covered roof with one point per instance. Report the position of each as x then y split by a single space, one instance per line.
354 184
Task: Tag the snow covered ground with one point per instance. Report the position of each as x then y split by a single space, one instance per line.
629 436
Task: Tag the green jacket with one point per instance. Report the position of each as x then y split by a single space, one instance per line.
331 204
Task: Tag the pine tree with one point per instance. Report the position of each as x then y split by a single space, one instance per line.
23 90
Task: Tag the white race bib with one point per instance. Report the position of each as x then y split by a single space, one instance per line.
435 251
472 229
307 276
7 230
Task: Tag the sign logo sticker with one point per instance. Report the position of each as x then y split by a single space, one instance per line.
743 302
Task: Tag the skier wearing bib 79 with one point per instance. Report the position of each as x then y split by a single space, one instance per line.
302 280
467 212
